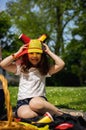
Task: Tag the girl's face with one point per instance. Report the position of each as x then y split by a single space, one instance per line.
34 58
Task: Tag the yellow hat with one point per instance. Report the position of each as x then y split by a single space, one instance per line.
35 46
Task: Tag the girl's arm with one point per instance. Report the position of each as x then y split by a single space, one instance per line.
8 63
59 63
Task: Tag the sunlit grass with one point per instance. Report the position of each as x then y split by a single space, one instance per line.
68 97
63 97
13 95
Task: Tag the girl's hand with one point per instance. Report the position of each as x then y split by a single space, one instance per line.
21 49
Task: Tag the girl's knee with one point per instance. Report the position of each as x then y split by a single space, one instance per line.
36 104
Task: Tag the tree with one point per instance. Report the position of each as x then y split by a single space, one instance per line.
76 49
5 25
37 17
7 39
56 18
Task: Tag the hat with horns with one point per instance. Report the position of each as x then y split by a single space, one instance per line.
34 45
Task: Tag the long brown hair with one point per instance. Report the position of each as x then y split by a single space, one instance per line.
43 65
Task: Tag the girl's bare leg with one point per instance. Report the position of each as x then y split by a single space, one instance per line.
25 112
40 105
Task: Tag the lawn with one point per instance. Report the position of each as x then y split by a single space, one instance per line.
63 97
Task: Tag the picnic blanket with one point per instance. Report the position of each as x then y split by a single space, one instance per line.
63 122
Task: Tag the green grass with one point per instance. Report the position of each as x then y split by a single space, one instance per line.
13 95
68 97
63 97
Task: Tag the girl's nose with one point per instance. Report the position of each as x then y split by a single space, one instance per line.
34 54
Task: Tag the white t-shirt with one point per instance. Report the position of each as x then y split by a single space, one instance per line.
31 84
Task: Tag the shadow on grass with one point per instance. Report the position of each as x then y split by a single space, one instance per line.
63 106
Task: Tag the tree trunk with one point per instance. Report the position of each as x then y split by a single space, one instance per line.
59 49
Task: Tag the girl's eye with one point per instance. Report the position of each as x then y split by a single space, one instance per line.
37 53
30 53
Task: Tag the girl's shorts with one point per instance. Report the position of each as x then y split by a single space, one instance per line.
24 102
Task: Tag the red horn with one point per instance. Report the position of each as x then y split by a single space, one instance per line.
24 38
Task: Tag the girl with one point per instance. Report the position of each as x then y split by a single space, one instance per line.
33 70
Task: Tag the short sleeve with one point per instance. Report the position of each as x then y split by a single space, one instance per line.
18 70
